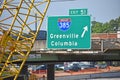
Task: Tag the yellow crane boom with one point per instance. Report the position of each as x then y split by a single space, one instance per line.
17 32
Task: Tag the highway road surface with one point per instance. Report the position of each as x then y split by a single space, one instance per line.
105 79
96 76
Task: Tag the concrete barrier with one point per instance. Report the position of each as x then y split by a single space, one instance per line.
90 76
106 75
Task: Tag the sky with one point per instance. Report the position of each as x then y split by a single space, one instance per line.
100 10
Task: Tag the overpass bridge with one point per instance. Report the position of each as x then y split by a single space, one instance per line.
104 47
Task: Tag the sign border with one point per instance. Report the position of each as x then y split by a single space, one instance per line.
67 48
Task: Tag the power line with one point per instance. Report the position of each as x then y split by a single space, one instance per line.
62 0
41 1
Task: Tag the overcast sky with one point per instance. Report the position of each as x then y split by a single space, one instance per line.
101 10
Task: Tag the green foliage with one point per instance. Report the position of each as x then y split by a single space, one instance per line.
108 27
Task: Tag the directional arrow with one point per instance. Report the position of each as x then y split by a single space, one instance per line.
85 29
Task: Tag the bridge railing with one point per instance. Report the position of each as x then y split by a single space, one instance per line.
99 42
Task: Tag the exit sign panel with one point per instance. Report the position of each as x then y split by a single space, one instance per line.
69 32
78 12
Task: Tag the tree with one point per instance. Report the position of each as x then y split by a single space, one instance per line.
108 27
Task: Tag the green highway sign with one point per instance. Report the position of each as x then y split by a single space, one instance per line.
78 12
69 32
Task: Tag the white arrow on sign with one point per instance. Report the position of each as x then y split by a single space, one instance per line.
85 29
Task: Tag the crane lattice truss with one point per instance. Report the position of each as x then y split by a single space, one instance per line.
17 32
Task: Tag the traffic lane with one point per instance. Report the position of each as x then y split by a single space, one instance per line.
105 79
98 76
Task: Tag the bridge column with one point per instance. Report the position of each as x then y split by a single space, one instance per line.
24 72
50 72
102 45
